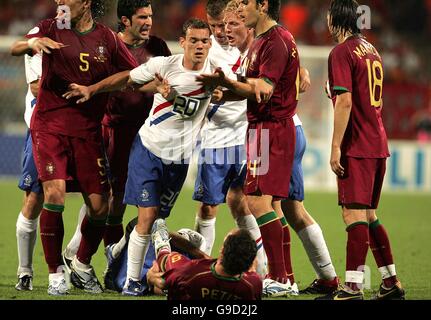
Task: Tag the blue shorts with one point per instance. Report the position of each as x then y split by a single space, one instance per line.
219 170
296 186
151 182
29 179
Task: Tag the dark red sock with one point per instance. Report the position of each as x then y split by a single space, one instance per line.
381 248
286 250
92 234
357 248
272 238
52 234
113 233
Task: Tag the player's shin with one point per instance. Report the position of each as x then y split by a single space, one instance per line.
26 233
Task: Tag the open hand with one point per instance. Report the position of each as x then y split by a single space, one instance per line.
82 92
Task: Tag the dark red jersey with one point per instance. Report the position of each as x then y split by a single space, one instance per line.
132 108
197 280
87 58
274 56
355 66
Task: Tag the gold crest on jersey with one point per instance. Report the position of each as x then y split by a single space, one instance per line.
50 168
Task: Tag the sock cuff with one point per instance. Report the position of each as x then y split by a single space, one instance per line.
353 225
354 276
283 222
53 207
267 218
27 224
114 220
374 224
206 222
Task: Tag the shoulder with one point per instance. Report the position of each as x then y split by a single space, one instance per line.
43 26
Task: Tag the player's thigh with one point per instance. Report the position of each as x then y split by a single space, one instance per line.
51 154
361 183
90 166
29 180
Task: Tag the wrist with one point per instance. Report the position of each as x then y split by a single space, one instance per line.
31 42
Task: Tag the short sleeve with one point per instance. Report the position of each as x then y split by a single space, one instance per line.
40 30
340 67
146 72
273 60
33 71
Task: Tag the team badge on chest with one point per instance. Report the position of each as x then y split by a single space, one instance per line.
100 54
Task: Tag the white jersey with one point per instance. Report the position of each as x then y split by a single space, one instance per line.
33 72
172 127
226 124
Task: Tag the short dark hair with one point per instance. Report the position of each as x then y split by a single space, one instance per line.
194 23
274 7
215 8
344 16
128 8
239 252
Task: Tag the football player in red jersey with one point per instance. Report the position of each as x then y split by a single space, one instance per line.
67 139
227 278
359 151
127 111
272 90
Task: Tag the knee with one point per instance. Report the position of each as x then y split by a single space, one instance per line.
54 195
208 211
32 205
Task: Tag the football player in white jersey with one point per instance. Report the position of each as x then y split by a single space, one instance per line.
26 225
222 160
159 157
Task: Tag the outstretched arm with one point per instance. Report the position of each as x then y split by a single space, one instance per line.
254 89
44 44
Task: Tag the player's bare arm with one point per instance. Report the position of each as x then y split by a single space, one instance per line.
254 89
304 80
38 45
343 107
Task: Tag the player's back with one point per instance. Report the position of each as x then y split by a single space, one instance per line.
356 66
198 280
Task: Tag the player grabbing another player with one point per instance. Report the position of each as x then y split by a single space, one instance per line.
221 168
67 139
160 154
225 278
272 92
26 224
359 151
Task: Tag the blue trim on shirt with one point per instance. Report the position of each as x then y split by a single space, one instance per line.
162 118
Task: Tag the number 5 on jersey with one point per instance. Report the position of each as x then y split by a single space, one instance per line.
85 66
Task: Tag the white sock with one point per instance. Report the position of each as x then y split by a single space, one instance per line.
26 234
118 247
73 245
206 227
136 251
317 251
249 223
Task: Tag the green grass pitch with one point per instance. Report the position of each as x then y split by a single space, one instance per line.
405 216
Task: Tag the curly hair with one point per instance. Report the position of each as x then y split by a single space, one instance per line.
239 252
98 8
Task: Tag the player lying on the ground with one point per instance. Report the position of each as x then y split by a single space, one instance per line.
229 277
187 241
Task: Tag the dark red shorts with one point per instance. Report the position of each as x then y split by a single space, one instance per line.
118 142
362 182
270 154
71 158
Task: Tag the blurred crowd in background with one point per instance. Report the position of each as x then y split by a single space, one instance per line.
400 30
